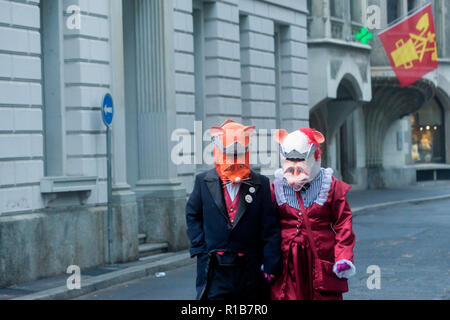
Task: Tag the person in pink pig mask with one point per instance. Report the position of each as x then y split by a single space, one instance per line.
316 222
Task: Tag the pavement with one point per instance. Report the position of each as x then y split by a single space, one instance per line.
362 200
55 288
364 203
408 246
402 252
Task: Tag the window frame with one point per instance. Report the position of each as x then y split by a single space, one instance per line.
53 86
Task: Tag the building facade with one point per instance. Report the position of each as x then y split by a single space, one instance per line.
379 134
174 68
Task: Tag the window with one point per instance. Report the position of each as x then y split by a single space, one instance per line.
309 6
199 77
199 61
337 8
427 134
411 5
280 36
277 40
356 10
346 152
53 87
393 10
445 26
440 21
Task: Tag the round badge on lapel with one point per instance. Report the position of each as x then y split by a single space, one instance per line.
248 198
252 190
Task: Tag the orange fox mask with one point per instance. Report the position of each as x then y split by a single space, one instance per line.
231 151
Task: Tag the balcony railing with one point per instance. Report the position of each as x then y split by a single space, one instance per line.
337 28
356 28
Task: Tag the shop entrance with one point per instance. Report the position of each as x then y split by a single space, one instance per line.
428 134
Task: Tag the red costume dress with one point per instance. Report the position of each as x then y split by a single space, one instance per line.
312 245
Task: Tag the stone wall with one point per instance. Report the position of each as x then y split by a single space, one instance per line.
21 107
41 234
240 73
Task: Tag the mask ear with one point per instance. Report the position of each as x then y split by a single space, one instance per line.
279 135
227 122
318 137
249 131
216 131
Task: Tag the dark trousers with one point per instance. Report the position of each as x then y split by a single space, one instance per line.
236 279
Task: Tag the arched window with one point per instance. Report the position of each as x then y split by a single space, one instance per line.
428 134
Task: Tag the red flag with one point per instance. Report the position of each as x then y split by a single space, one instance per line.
411 46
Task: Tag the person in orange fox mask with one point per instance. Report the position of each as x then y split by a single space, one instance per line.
231 222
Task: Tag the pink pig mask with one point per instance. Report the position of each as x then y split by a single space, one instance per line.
300 155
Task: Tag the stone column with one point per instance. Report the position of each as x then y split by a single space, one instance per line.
125 215
222 63
447 134
161 196
259 89
294 78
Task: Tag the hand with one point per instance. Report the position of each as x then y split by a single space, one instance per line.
269 277
342 267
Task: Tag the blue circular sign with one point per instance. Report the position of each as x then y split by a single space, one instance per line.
107 109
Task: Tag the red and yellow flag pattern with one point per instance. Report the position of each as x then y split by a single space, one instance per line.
411 46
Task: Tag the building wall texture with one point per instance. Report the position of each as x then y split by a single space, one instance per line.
42 234
240 69
46 120
21 106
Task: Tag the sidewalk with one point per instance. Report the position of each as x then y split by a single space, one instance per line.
106 276
94 279
362 200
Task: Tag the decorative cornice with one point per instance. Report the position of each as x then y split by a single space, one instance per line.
67 184
338 43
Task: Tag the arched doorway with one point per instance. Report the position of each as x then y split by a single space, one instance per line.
428 133
346 149
335 119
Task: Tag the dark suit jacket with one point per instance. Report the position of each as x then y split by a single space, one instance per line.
256 229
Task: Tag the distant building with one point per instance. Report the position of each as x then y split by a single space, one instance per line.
379 135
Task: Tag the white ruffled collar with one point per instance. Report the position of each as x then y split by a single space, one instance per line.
325 187
327 179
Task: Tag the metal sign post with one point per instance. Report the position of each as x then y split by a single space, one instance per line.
107 115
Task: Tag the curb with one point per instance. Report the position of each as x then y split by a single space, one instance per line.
110 279
361 210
